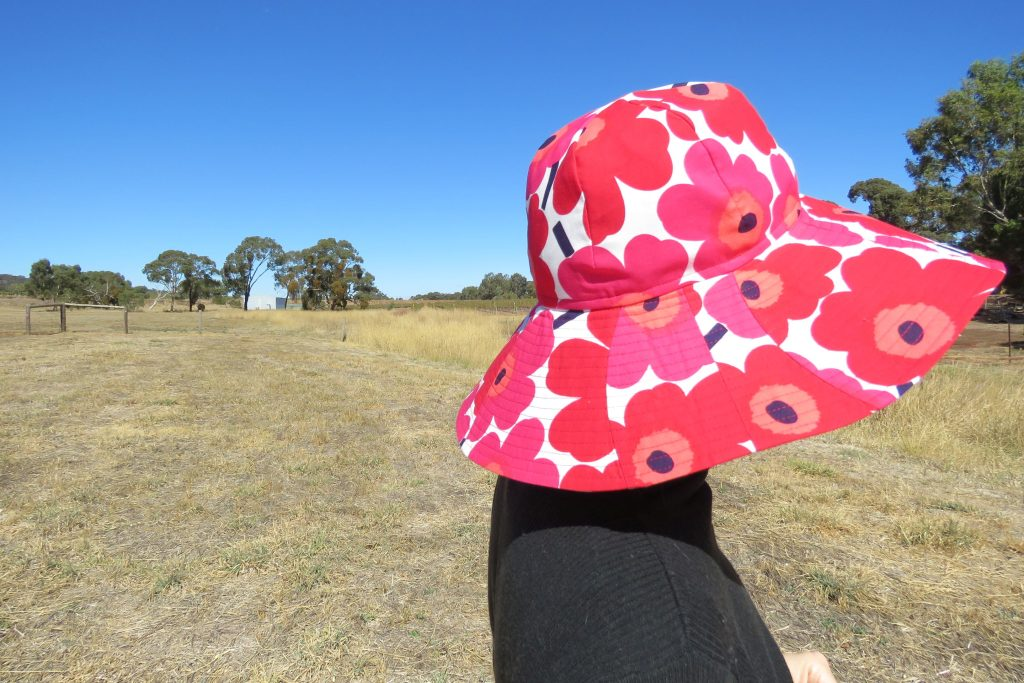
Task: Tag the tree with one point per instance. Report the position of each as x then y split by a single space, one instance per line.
333 275
40 280
886 200
520 287
289 274
247 264
198 277
69 285
104 287
166 271
968 168
13 284
493 286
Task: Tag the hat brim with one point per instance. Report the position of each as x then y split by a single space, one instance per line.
834 319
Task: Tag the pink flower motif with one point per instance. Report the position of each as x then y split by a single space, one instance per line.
900 243
592 277
462 418
536 238
726 110
825 233
521 446
619 147
848 385
818 223
551 151
786 208
659 333
726 305
507 388
727 208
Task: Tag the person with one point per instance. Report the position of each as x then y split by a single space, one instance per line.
693 308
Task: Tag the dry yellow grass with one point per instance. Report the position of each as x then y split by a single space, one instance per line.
964 416
469 338
264 501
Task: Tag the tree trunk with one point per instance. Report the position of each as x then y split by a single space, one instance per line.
245 300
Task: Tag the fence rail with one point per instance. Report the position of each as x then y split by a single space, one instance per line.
64 314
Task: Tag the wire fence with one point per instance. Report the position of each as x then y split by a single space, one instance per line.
17 318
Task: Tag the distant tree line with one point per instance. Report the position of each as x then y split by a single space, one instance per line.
330 274
968 170
492 286
12 284
71 284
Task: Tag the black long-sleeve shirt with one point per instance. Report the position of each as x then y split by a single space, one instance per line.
619 586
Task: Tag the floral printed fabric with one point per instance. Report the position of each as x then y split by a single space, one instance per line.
695 308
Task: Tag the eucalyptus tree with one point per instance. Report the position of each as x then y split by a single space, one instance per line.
250 260
967 168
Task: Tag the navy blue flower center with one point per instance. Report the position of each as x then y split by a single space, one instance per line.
501 376
911 332
660 462
700 89
651 303
780 411
748 222
547 142
750 290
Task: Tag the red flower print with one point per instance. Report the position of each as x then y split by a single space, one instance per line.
659 333
507 387
900 243
895 333
826 231
577 368
537 237
764 295
592 277
786 207
727 208
521 446
727 112
462 419
668 434
834 212
780 401
617 146
551 151
842 381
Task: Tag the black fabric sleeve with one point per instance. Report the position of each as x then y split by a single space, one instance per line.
619 586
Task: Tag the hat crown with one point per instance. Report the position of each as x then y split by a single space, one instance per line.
658 188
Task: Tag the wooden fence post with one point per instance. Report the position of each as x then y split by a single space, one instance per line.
63 318
126 320
28 319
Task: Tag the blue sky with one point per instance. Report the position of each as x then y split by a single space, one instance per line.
128 128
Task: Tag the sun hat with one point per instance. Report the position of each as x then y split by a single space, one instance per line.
694 308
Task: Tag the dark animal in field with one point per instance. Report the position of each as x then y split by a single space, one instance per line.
200 307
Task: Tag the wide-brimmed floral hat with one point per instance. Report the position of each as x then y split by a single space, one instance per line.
695 308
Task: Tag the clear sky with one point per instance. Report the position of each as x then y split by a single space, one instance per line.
128 128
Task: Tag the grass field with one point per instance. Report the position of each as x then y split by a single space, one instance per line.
280 498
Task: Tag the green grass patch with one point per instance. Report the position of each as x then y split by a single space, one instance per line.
951 506
947 534
246 557
812 469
